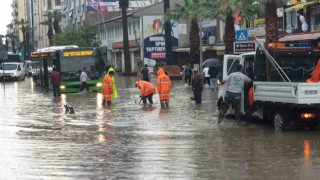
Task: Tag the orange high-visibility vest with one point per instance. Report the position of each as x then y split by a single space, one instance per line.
146 88
316 74
107 88
163 85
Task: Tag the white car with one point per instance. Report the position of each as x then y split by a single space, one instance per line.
12 71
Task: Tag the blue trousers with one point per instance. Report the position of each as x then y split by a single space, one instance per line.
56 89
197 95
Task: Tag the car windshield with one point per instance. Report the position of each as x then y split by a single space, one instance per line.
8 67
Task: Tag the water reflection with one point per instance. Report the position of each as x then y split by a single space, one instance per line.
306 152
128 140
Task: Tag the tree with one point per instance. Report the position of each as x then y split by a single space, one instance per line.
23 25
48 22
13 37
57 17
189 10
272 29
83 36
227 10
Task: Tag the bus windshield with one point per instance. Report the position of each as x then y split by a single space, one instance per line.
71 67
8 67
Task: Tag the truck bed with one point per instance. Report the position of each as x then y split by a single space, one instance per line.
281 92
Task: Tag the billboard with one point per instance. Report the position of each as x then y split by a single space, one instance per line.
100 5
154 45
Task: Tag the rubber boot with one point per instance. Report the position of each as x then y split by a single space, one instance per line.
220 118
163 105
167 104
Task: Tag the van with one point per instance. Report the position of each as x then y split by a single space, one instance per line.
31 68
12 71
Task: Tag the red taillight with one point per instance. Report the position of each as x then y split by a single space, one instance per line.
307 115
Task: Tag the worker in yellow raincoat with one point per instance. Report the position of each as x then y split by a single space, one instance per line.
114 94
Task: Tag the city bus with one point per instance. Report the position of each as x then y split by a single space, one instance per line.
69 61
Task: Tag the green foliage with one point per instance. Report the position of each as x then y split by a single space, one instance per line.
84 36
160 64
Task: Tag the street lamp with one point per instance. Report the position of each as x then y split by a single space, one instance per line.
123 4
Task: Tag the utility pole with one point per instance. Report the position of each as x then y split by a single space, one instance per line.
168 39
32 25
127 62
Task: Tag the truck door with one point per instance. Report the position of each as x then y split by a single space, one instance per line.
230 63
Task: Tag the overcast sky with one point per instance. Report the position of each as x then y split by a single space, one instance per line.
5 14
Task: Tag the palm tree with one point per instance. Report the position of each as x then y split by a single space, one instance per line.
13 37
225 10
23 24
189 10
7 42
48 22
57 17
272 29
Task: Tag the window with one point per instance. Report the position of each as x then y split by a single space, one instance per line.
231 65
292 19
49 5
58 2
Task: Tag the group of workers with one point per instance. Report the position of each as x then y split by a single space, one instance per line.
147 89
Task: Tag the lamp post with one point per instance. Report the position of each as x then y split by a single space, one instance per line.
201 43
124 5
168 30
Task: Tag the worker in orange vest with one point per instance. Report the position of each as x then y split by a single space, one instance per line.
147 91
163 87
316 74
107 88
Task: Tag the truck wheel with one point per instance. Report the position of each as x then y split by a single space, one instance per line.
281 121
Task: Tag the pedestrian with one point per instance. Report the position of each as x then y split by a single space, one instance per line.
83 80
213 72
107 88
187 74
197 86
55 81
145 75
163 87
114 94
206 75
147 91
236 82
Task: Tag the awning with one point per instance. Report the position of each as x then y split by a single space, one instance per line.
300 6
182 50
300 37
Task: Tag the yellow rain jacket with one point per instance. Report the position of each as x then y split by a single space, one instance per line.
115 92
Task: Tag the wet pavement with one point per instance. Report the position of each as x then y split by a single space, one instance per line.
40 140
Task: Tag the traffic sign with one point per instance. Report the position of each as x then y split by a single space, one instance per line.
242 35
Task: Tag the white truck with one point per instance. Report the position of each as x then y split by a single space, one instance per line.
280 91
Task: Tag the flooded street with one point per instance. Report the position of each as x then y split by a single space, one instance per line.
40 140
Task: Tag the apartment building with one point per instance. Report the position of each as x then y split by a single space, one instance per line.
18 13
41 7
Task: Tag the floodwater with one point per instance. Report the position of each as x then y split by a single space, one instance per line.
40 140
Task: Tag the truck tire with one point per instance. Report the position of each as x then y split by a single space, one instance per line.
281 121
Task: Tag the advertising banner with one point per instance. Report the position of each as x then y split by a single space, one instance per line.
100 5
154 39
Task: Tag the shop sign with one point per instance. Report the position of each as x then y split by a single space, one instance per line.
257 31
243 47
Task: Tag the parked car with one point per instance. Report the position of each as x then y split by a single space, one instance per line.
12 71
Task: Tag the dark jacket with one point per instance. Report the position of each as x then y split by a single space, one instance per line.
213 72
197 81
